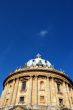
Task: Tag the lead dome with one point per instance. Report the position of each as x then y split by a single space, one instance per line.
38 61
37 86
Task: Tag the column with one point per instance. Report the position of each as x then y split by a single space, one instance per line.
69 95
4 95
35 91
66 101
56 92
30 91
18 93
53 92
15 92
72 97
48 91
11 96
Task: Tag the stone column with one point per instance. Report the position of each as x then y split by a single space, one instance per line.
72 97
65 95
53 92
11 96
56 93
72 92
18 92
15 92
3 97
35 91
69 95
48 91
30 91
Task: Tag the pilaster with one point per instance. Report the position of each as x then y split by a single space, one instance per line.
4 95
53 92
48 91
65 95
11 96
30 91
35 91
72 97
69 95
15 92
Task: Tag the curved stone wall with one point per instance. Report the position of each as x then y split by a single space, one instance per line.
37 87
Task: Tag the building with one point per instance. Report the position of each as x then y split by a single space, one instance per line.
37 86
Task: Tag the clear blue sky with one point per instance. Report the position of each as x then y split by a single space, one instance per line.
28 27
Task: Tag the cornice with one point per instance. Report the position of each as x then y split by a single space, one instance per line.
50 70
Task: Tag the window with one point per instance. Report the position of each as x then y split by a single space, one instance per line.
58 87
69 87
42 99
6 101
42 85
24 85
60 102
22 99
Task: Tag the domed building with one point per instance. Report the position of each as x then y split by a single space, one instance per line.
37 86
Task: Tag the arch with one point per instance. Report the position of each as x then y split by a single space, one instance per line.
42 87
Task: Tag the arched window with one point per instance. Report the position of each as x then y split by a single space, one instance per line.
59 84
60 102
58 87
23 86
42 85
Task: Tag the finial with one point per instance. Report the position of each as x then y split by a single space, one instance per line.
38 56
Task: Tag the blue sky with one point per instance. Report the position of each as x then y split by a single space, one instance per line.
28 27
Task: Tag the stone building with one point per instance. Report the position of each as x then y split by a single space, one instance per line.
37 86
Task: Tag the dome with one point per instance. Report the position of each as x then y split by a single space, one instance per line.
38 61
37 86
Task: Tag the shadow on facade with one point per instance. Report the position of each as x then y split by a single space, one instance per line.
18 107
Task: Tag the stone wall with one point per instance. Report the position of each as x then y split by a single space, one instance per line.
41 90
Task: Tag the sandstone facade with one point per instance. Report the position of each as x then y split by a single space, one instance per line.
37 87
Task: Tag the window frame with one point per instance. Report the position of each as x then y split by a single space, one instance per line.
60 101
23 86
42 84
58 87
22 101
42 101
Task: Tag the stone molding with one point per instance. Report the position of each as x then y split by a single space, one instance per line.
31 107
38 72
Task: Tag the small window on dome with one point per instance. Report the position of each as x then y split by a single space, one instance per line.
45 61
33 60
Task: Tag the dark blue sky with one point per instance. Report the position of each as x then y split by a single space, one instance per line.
28 27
